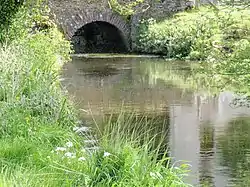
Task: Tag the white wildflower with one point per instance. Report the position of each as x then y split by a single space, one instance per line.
70 155
69 144
155 175
81 159
61 149
106 154
152 175
82 130
83 150
75 128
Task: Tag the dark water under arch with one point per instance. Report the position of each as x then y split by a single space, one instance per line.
99 37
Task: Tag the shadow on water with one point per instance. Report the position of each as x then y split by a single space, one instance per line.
101 71
198 125
99 37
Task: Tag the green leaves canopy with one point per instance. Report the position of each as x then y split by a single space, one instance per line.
8 9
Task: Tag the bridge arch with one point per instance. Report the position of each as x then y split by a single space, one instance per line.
99 37
80 25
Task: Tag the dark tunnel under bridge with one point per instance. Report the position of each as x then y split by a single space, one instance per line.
99 37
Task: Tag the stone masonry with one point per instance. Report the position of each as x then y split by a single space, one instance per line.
72 15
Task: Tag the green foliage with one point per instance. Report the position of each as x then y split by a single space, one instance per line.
220 38
125 10
8 9
35 115
130 154
199 34
26 17
37 144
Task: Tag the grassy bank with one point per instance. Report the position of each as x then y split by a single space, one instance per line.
200 34
218 37
38 146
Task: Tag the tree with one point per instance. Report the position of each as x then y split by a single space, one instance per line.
8 9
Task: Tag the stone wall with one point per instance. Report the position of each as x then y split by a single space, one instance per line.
71 15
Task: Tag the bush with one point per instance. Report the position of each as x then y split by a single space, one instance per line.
22 17
198 34
8 9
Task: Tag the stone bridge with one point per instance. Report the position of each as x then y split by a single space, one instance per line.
93 27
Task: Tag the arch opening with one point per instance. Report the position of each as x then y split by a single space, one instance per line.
99 37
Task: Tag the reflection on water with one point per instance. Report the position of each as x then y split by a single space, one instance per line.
204 129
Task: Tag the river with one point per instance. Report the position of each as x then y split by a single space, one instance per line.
204 129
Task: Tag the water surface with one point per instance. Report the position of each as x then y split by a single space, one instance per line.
204 129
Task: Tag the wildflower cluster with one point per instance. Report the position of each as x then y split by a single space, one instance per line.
69 151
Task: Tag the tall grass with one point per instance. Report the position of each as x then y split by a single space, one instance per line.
134 153
35 115
38 146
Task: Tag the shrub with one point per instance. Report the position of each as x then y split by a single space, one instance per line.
198 34
22 17
8 9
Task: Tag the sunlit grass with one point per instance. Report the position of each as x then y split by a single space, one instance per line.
134 152
39 148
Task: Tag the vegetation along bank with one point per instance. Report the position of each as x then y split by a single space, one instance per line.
38 146
216 36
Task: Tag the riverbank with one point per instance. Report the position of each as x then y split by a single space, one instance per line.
38 146
203 33
218 38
